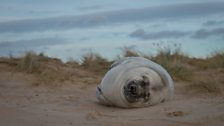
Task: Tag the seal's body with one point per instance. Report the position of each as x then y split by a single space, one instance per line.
135 82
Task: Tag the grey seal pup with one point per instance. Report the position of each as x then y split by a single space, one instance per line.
135 82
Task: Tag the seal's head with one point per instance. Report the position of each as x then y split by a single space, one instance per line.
137 89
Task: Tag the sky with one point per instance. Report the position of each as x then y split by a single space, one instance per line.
71 28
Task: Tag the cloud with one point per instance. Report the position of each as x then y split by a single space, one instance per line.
205 33
32 43
213 23
141 34
137 33
90 8
187 10
84 38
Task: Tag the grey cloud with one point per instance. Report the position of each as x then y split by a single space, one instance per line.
141 34
110 17
138 33
56 23
130 47
213 23
32 43
18 47
84 38
90 8
204 33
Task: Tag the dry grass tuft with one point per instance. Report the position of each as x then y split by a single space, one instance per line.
175 63
52 72
205 84
95 63
130 53
29 63
180 72
215 61
72 62
49 71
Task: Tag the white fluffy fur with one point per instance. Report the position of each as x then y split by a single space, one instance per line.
110 91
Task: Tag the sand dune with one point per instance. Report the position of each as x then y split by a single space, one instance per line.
23 104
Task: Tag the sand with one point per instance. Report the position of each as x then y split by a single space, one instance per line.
22 104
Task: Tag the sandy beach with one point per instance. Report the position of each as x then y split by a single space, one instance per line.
75 104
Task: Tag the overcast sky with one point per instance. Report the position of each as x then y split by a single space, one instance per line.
71 28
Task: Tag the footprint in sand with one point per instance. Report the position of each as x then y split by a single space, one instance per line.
177 114
93 116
